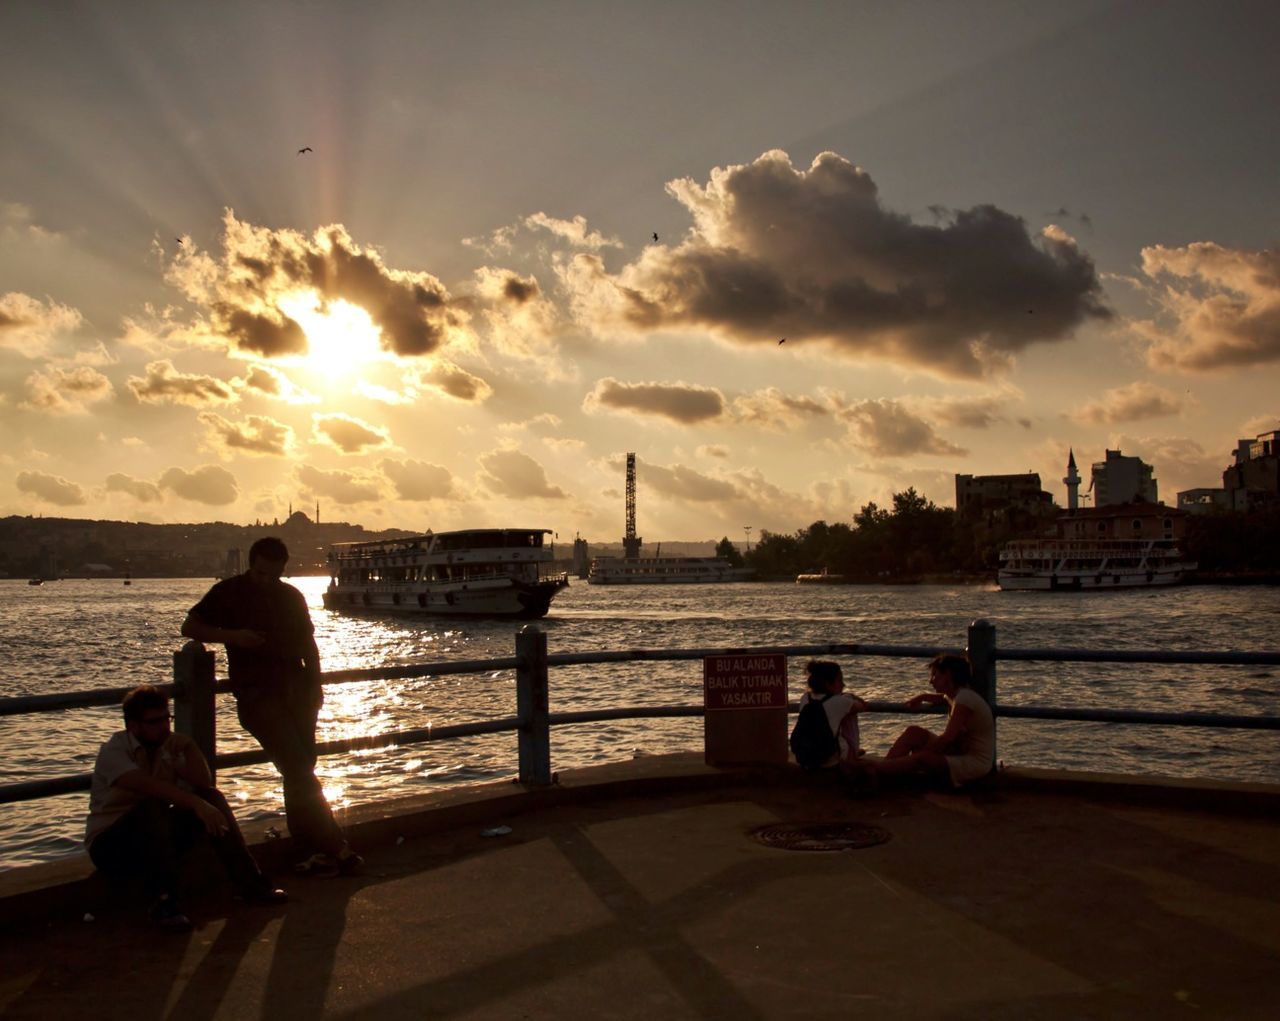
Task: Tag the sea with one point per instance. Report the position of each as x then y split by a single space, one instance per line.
76 635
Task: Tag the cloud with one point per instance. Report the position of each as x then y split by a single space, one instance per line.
418 480
1258 425
776 410
888 429
520 318
341 487
685 403
348 434
270 382
50 488
383 395
165 384
59 391
453 381
686 484
814 255
713 450
1130 403
29 325
574 231
259 267
967 412
1179 462
512 473
140 490
256 435
208 484
1219 308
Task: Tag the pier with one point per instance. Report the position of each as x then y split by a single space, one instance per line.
643 889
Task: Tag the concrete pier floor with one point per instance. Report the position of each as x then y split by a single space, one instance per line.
637 891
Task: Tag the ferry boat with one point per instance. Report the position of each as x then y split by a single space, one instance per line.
664 571
481 572
1050 565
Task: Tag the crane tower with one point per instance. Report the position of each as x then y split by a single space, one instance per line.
630 541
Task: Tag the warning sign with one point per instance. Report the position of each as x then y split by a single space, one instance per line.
755 681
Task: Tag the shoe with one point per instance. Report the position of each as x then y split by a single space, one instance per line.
319 864
261 891
166 914
349 863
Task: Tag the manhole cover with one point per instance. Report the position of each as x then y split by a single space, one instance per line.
820 836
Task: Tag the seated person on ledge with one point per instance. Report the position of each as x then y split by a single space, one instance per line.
152 801
839 747
965 750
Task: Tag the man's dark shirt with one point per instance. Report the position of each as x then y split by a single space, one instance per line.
278 611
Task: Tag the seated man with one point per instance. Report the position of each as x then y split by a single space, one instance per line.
965 750
152 801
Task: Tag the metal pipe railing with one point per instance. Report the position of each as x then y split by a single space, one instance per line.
195 688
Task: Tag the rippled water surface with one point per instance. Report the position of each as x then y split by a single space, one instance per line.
77 635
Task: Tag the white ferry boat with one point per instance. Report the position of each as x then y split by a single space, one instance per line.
664 571
481 572
1050 565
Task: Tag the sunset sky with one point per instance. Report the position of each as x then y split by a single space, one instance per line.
989 232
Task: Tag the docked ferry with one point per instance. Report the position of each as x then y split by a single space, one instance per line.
1050 565
481 572
664 571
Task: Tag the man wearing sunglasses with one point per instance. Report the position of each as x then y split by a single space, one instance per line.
152 801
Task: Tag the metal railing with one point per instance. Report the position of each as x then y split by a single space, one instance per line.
195 690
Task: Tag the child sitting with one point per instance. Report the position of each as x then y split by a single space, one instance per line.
826 689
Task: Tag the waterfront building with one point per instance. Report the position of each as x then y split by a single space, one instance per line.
1203 501
1119 479
1001 497
1254 480
1141 520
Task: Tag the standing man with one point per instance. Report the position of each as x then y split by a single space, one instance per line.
152 800
274 667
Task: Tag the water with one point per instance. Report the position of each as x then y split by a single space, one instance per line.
76 635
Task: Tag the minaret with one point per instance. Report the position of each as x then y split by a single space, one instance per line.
317 512
1072 481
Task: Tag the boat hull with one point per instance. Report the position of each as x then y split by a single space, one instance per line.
665 571
521 601
1092 581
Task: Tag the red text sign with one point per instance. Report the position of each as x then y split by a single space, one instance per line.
756 681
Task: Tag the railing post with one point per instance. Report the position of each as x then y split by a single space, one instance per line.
982 659
532 706
193 698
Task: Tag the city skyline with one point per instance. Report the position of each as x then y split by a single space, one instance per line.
436 267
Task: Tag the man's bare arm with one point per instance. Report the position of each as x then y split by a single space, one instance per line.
141 782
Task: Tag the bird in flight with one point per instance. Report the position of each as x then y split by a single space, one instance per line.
180 241
783 340
655 235
305 148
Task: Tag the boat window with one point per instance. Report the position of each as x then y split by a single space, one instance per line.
1137 524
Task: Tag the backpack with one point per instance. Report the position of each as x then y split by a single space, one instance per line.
812 742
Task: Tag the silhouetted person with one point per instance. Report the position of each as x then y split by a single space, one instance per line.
274 667
152 800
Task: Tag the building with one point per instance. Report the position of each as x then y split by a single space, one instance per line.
1121 479
1131 521
1254 480
994 497
1203 501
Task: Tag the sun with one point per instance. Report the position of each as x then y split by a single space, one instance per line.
341 338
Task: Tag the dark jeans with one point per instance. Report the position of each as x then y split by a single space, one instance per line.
149 841
283 719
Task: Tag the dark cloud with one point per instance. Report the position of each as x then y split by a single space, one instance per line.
814 255
520 289
1220 307
139 489
208 484
774 409
256 435
685 403
512 473
888 429
274 383
349 435
50 488
418 480
968 412
164 383
455 382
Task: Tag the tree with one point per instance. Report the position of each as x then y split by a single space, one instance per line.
726 549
